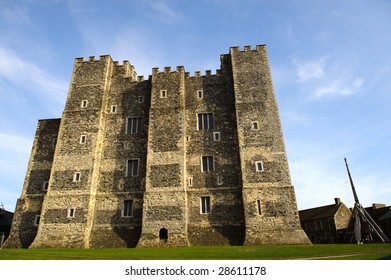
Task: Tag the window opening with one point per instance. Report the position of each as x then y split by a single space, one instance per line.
127 210
259 166
207 163
132 168
205 204
71 212
133 125
84 104
77 177
259 206
205 121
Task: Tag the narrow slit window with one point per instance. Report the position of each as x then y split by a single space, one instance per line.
113 109
200 94
216 136
37 219
84 104
255 126
190 181
77 177
259 206
141 99
83 139
205 204
71 212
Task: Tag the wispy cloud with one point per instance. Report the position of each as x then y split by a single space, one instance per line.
310 69
339 87
162 11
326 77
25 74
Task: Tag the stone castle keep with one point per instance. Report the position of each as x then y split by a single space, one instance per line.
172 160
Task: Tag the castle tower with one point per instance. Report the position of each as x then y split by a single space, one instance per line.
68 207
174 160
268 196
165 201
28 207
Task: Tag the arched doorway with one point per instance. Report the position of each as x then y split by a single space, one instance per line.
163 234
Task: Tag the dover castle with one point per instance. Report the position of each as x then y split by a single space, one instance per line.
172 160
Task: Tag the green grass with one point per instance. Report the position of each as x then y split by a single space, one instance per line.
273 252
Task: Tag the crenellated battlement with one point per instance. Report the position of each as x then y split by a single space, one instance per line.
208 73
247 48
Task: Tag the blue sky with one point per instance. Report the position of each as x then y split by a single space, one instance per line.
330 62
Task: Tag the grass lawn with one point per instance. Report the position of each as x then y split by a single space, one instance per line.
273 252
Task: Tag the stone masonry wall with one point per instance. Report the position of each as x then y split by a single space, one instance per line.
128 169
29 205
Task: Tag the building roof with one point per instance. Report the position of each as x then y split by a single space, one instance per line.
5 215
317 213
379 213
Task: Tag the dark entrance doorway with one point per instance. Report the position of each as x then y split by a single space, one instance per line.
163 234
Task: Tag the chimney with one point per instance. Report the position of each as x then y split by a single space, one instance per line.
337 200
378 205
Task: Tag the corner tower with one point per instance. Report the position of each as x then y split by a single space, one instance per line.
269 201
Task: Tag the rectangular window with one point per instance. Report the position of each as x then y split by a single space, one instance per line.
84 104
132 168
37 220
127 210
200 94
83 139
216 136
113 109
205 204
163 93
259 166
71 212
77 177
254 126
205 121
207 163
259 206
45 186
133 125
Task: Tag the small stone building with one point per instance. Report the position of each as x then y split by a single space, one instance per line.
326 224
5 224
381 214
171 160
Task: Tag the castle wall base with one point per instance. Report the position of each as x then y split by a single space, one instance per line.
295 236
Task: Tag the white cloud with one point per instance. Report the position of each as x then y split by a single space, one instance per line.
310 69
339 87
163 12
25 74
327 77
